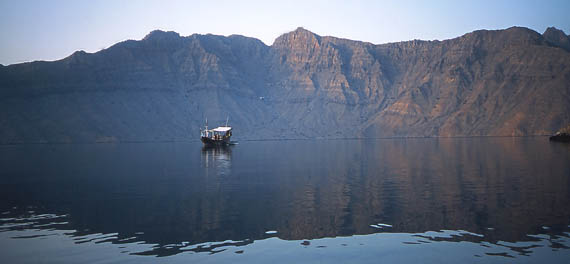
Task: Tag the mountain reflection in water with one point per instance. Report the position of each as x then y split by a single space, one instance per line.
179 197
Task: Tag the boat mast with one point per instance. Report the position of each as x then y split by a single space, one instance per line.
206 130
227 119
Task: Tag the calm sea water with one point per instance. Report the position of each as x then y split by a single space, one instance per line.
475 200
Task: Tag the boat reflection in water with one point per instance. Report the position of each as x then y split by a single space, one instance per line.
218 158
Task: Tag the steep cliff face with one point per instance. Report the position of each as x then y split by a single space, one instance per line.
505 82
508 82
323 85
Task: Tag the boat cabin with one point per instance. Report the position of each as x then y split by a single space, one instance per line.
218 133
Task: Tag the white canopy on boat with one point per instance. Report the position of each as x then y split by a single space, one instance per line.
221 129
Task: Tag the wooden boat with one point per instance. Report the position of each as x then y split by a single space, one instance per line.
219 136
561 137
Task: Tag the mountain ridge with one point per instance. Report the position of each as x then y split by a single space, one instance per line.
509 82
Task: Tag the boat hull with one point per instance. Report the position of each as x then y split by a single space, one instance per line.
215 142
562 137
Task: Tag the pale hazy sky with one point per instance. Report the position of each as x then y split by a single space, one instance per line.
51 30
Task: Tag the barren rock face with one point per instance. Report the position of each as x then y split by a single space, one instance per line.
506 82
557 38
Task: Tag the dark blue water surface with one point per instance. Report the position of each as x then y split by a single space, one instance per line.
475 200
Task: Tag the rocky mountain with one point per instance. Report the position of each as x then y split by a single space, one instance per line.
510 82
557 38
